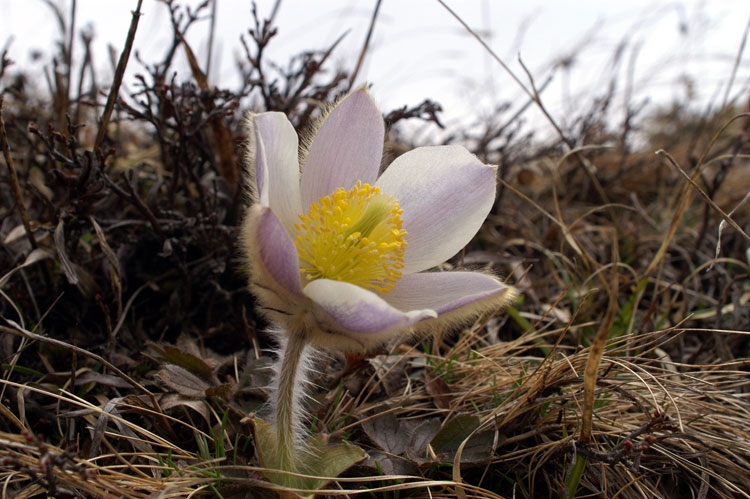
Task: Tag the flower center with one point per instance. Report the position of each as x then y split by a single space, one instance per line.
353 236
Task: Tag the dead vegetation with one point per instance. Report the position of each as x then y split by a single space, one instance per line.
132 356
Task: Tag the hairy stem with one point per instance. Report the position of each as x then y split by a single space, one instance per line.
286 402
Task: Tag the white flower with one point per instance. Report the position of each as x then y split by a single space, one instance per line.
338 254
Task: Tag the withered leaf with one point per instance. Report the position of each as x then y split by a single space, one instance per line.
65 263
390 371
36 178
454 432
182 381
171 400
75 274
102 379
34 256
185 360
448 440
112 261
387 432
18 233
438 389
389 465
420 437
221 391
112 408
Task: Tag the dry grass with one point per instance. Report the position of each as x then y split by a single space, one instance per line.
132 356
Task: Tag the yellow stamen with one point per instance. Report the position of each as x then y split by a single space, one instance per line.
353 236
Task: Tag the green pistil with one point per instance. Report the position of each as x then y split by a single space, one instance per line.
376 212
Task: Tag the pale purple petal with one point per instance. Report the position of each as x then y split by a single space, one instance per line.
446 193
356 311
347 148
443 291
277 166
277 252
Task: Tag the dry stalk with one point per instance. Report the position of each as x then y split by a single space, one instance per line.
17 195
114 91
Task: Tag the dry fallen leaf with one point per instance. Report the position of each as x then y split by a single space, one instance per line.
438 389
182 381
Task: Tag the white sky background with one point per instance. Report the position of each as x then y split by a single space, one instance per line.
420 51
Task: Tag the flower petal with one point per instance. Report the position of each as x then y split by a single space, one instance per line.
347 148
277 251
277 166
357 312
444 292
446 193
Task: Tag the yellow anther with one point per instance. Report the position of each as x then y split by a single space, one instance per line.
354 236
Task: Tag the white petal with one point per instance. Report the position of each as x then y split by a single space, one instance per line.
277 252
277 166
446 193
347 148
443 292
358 313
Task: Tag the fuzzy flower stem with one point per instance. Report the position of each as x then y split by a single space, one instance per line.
286 402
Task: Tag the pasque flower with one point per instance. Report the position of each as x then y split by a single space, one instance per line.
338 254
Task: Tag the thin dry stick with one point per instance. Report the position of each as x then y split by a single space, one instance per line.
684 196
489 50
69 54
274 11
570 240
534 95
17 195
737 61
119 73
211 32
706 197
721 228
366 45
594 360
587 167
18 331
84 65
222 137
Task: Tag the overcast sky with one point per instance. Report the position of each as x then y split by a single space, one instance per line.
419 50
